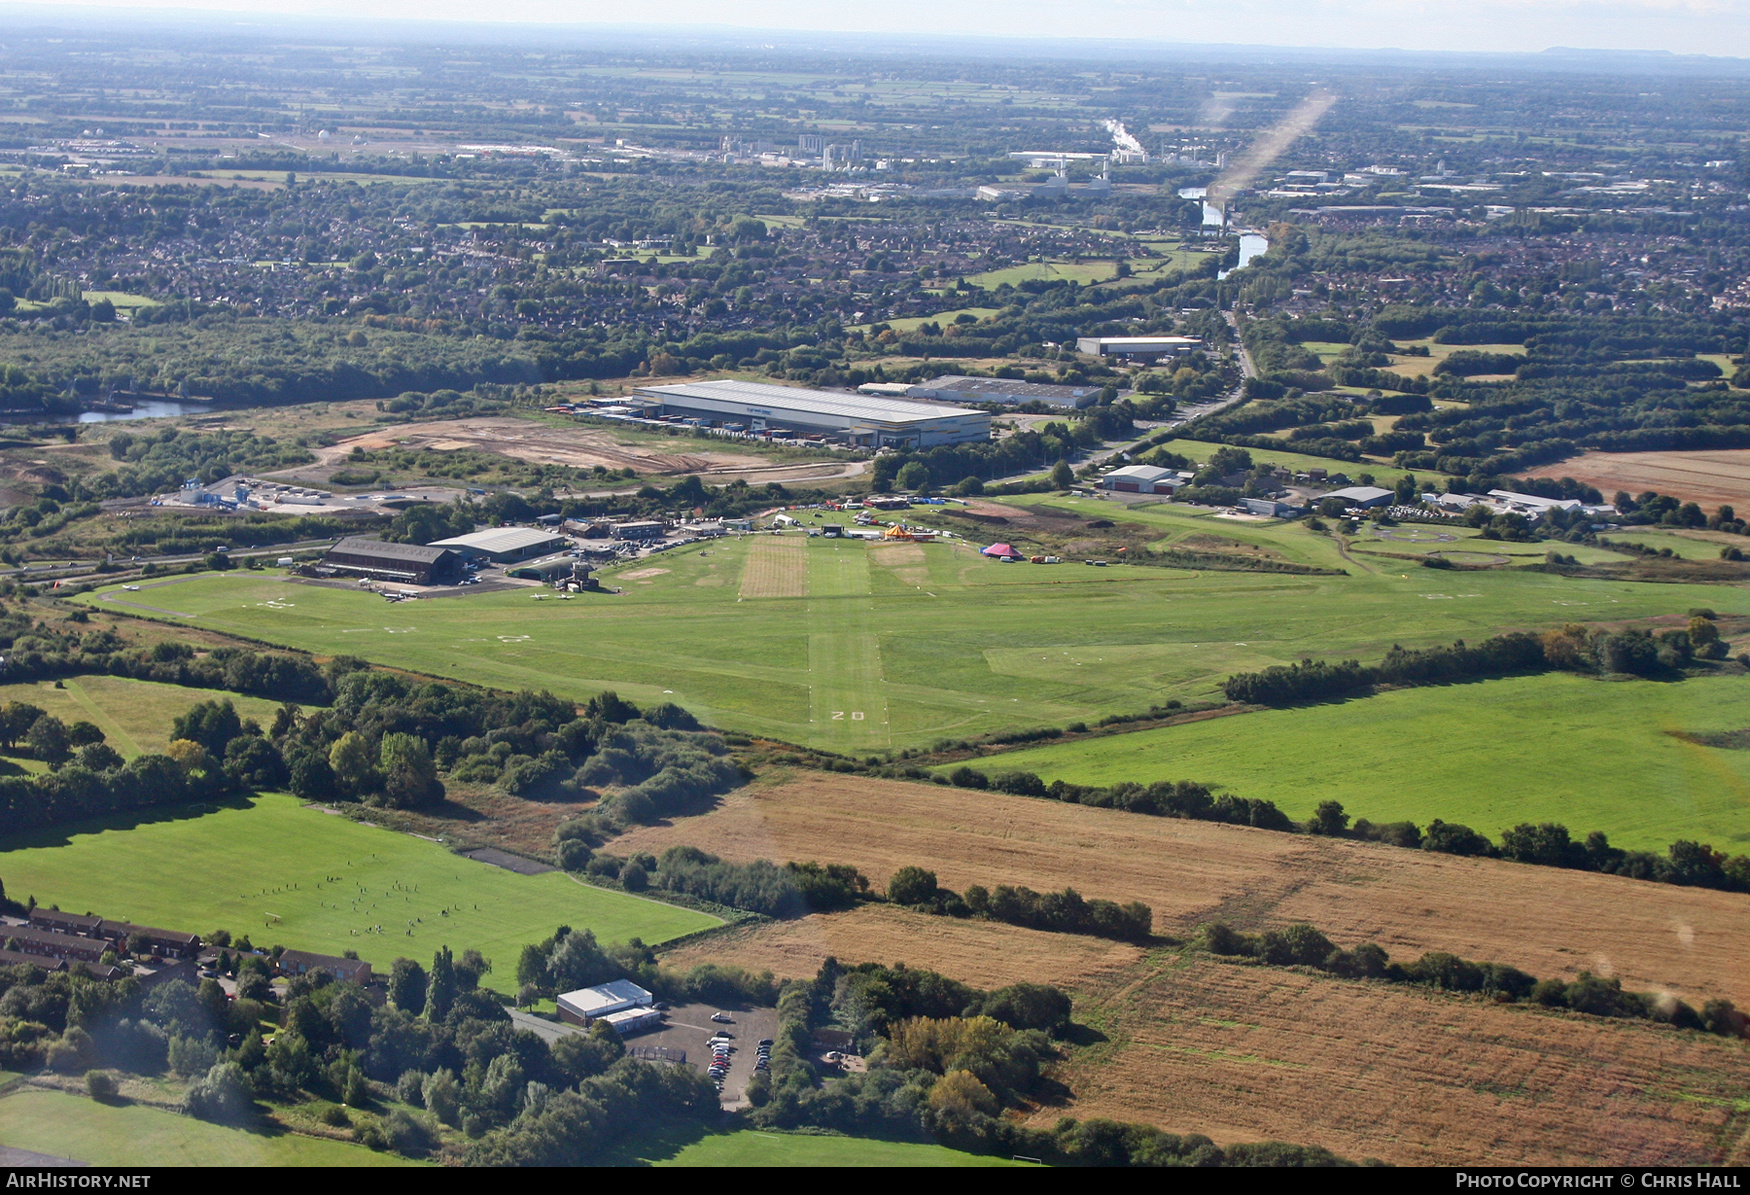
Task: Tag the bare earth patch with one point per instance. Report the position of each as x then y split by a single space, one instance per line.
1548 921
581 448
1708 476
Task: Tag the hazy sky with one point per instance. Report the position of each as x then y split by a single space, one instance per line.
1720 27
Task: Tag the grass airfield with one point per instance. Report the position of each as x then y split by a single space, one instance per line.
874 647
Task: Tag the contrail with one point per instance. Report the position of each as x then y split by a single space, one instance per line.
1268 147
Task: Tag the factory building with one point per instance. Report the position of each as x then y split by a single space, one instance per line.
956 388
865 420
1139 348
502 545
367 557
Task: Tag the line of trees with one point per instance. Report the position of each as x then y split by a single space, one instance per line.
1573 648
1163 798
1301 945
1065 912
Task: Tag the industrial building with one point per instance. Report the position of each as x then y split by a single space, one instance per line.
1139 348
860 419
502 545
367 557
639 529
957 388
1144 479
1365 496
603 1001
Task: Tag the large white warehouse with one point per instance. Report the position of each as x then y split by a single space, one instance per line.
868 420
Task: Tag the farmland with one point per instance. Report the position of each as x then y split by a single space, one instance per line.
924 647
1408 1076
322 883
1593 755
986 954
137 1135
1708 476
1547 921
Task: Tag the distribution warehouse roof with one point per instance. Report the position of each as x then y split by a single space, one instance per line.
795 399
500 539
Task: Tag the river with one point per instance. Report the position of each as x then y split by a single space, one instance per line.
1252 244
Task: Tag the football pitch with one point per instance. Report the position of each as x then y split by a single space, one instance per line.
290 875
862 648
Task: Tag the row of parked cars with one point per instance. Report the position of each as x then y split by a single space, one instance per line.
721 1049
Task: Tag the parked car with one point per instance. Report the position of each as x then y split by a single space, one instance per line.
724 1017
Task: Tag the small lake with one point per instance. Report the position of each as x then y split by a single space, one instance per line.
145 409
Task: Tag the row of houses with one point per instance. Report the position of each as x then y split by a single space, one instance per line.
82 935
57 941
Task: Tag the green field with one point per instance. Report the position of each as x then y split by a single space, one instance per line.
1201 450
260 867
1591 754
137 1136
925 642
134 715
1085 272
752 1148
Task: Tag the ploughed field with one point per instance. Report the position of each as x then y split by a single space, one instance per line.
1591 754
1550 922
853 648
295 876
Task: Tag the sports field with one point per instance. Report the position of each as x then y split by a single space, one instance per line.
134 715
1591 754
294 876
925 645
135 1135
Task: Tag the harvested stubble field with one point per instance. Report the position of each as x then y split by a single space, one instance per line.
1548 921
1409 1076
985 954
1709 476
